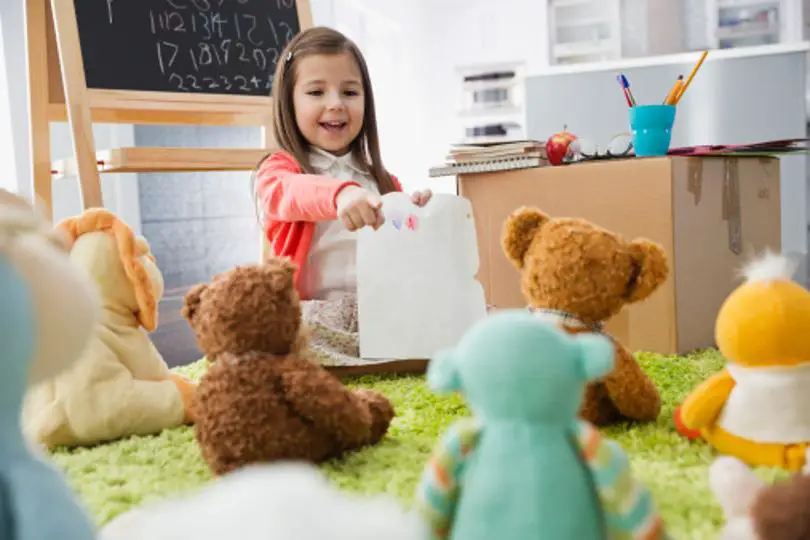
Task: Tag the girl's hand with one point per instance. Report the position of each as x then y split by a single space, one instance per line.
421 198
358 207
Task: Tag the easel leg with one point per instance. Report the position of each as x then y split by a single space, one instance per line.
78 108
39 137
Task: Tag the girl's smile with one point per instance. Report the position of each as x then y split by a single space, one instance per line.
329 101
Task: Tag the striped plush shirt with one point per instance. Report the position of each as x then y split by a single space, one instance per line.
630 513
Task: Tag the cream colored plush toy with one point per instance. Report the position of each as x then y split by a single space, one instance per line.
121 386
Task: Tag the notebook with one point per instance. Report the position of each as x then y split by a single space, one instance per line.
492 165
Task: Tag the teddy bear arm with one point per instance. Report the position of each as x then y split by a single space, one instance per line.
320 397
631 390
704 403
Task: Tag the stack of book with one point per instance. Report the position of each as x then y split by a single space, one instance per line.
491 157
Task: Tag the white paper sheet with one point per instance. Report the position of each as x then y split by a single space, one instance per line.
416 285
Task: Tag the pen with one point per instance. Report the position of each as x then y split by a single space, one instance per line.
631 101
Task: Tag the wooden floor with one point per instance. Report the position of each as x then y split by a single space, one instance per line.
173 338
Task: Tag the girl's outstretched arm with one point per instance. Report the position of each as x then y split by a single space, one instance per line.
284 193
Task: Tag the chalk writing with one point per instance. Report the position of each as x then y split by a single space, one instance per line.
203 46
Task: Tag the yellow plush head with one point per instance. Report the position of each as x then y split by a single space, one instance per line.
119 261
765 322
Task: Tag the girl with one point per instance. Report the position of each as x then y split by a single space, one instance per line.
324 183
326 180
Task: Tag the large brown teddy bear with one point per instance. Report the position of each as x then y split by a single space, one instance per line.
262 399
581 275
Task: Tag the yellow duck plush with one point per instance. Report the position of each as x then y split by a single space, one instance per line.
757 408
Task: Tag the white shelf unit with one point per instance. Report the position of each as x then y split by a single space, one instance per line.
492 102
584 30
741 23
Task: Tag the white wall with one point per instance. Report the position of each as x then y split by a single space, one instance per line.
391 37
119 191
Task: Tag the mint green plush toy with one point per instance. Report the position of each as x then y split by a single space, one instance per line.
524 467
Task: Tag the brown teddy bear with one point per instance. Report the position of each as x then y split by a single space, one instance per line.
580 275
262 399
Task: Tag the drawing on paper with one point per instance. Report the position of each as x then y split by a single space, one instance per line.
416 286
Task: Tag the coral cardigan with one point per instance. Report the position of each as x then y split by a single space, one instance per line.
291 203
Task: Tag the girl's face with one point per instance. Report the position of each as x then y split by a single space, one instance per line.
328 100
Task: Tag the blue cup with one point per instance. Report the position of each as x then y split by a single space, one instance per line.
651 126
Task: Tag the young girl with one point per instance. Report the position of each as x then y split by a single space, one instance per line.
325 182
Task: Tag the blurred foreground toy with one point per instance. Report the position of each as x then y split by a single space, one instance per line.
755 510
48 310
283 501
524 466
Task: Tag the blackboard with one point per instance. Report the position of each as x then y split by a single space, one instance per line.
193 46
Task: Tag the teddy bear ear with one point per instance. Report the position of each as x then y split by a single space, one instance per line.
651 269
442 374
191 302
597 355
519 230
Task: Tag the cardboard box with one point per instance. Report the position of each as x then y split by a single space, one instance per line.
709 214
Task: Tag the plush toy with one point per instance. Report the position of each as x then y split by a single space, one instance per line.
280 501
757 408
757 511
120 386
47 313
579 275
524 466
263 398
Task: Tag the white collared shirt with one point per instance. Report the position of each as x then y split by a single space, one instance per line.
330 267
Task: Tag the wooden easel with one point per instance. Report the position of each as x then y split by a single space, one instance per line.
58 92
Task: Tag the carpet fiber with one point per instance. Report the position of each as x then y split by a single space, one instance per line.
115 477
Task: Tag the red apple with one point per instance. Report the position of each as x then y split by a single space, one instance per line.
557 146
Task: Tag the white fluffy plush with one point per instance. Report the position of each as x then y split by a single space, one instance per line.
770 267
287 501
736 487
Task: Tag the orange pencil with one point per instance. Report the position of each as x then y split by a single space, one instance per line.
670 99
691 76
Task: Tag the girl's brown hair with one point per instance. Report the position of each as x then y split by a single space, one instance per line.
366 147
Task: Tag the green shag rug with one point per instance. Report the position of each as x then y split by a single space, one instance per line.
115 477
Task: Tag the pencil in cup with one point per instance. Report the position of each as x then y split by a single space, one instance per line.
685 85
676 88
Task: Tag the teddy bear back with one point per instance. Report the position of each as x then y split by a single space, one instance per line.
250 308
524 379
575 267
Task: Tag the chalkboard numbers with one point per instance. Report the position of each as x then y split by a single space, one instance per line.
209 25
213 46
